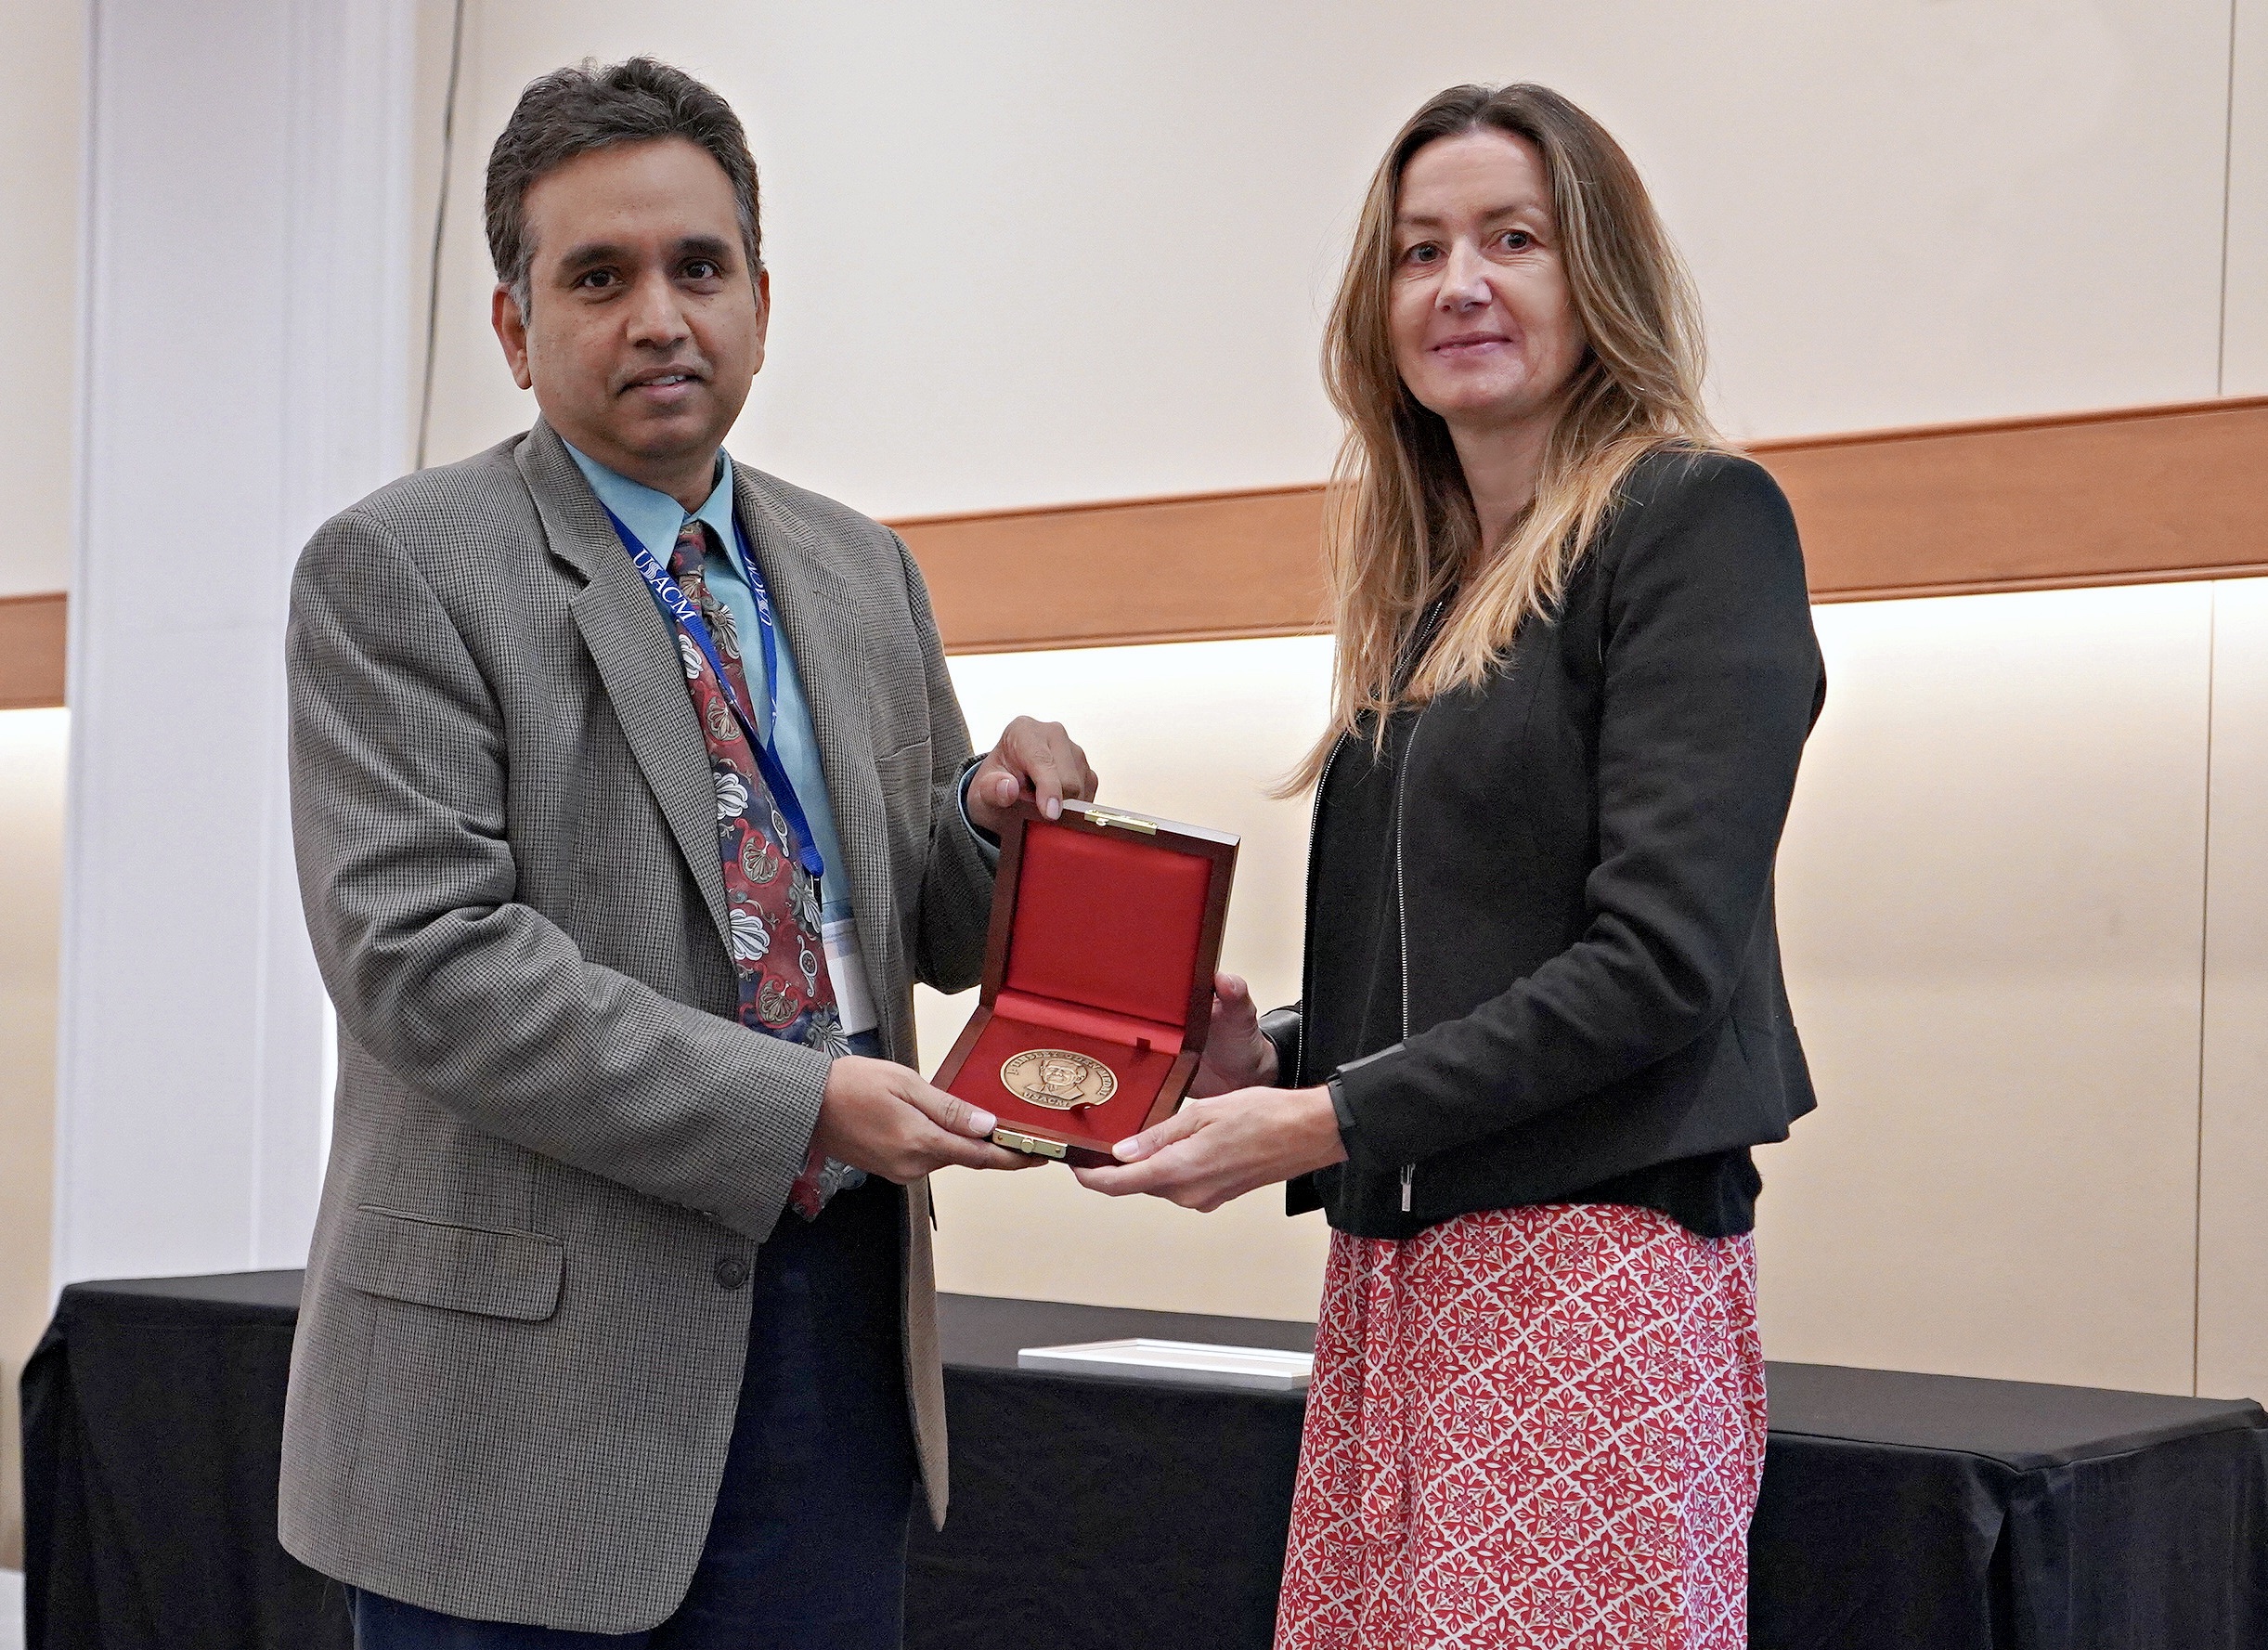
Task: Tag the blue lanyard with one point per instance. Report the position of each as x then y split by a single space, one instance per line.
676 603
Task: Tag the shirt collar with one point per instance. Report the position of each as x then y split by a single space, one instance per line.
655 517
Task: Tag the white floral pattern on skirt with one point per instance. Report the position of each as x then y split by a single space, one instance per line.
1538 1428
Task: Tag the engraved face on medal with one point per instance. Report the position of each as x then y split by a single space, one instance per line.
1058 1079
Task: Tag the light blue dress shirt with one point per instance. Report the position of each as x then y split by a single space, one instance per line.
657 519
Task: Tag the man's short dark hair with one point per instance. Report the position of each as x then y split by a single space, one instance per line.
571 111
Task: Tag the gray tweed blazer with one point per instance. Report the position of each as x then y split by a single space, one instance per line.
518 1357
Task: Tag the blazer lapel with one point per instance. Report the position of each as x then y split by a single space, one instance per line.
636 652
818 612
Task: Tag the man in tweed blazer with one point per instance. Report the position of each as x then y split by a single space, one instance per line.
566 1365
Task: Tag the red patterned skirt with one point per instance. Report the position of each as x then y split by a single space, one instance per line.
1538 1428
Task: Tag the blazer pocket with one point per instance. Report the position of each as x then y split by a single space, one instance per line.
460 1269
906 765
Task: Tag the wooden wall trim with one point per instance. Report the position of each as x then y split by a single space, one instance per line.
2125 496
2134 496
2130 496
1208 566
31 632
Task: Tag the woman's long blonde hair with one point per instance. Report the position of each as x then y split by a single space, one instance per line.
1399 527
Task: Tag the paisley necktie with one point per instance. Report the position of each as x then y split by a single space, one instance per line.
772 901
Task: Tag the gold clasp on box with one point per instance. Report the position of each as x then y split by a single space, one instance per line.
1037 1145
1125 821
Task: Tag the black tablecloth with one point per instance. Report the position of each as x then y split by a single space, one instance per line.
152 1430
1924 1513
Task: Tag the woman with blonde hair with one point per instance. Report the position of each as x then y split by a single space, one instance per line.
1542 1020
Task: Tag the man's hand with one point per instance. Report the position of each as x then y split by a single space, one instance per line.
1032 758
1236 1055
880 1117
1212 1151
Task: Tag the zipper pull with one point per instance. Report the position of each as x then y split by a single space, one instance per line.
1409 1172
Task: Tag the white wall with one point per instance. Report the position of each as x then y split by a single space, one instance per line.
2233 1169
32 745
248 271
1026 253
2245 344
41 67
1992 893
32 755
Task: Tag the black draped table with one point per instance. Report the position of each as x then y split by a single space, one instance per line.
1916 1512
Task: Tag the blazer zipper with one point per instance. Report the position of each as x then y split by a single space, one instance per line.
1401 915
1307 948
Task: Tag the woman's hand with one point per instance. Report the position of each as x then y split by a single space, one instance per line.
1236 1055
1215 1149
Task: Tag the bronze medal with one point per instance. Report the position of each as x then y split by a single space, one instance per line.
1058 1079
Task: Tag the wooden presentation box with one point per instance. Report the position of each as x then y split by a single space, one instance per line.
1106 933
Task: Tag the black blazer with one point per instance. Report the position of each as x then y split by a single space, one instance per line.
1586 864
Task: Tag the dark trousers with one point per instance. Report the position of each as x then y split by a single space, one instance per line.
807 1549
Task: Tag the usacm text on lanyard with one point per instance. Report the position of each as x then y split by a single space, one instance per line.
680 607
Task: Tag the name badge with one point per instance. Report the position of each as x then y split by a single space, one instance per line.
847 969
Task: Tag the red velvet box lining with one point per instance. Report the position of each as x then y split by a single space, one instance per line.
1109 922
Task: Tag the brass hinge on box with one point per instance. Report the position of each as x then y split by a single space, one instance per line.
1037 1145
1125 821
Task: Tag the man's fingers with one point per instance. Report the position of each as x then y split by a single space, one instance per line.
977 1154
1068 765
1047 796
923 1150
1042 759
949 1112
